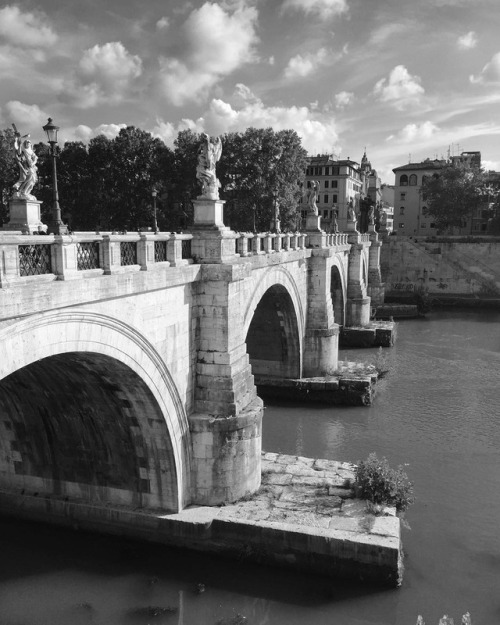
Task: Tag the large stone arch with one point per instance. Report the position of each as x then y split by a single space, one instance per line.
338 290
132 396
274 325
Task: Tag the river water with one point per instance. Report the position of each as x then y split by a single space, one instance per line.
437 411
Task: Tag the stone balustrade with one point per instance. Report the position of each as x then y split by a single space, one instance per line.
25 258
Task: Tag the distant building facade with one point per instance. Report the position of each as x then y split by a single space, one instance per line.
340 181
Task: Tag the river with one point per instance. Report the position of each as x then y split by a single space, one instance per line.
437 411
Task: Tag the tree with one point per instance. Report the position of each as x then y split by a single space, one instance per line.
8 171
453 195
258 169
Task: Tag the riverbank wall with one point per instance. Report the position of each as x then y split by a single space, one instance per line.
453 270
305 516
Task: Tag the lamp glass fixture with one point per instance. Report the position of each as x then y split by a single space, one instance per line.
51 130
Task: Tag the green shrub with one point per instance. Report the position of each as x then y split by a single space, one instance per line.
377 482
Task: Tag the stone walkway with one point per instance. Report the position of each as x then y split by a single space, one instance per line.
314 493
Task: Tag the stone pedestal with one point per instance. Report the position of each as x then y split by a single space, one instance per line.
212 241
208 213
351 226
25 216
313 223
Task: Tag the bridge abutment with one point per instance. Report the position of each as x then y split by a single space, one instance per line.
358 302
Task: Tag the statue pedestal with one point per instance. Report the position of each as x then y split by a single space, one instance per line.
25 216
312 223
208 213
351 226
212 241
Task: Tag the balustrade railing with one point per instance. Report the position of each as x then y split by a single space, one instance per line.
128 253
87 255
34 260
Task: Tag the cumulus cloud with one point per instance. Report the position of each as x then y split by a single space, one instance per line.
490 74
300 65
163 23
105 74
318 132
28 116
401 89
468 41
415 132
217 43
343 99
324 9
26 30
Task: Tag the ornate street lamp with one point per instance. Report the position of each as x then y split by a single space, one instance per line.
56 225
154 193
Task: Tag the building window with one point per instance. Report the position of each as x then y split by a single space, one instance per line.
402 210
402 197
433 225
325 198
327 171
335 171
413 180
327 183
334 199
308 184
401 224
403 181
325 214
335 184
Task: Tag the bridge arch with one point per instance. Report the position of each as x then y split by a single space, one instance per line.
91 413
274 325
338 290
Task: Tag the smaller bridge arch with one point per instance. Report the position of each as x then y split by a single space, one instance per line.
338 290
274 326
92 413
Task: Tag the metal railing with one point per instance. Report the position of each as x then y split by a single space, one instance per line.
87 255
34 260
128 253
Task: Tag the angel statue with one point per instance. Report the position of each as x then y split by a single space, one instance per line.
209 153
351 213
26 159
311 198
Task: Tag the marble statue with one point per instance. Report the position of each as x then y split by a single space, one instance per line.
209 153
351 213
383 219
335 226
26 159
371 216
311 197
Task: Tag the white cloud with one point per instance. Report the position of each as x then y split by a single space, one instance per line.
163 23
110 131
26 30
85 133
217 43
415 132
300 65
105 74
490 165
27 116
468 41
381 34
490 74
401 89
343 99
324 9
167 132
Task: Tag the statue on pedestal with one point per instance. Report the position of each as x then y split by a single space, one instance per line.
26 159
311 198
209 153
335 226
351 213
371 216
383 220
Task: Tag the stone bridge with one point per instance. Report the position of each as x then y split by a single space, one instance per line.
127 360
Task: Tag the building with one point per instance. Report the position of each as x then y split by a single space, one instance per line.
409 217
387 204
340 181
409 205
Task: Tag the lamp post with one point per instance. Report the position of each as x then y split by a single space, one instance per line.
154 193
56 225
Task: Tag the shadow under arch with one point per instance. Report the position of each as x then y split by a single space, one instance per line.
338 293
273 341
91 413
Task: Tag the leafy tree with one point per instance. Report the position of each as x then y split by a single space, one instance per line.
8 171
453 195
259 168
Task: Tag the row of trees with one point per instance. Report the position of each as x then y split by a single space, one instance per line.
108 183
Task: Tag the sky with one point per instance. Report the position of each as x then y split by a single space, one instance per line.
405 79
